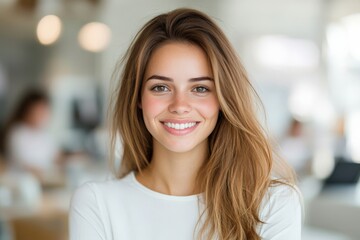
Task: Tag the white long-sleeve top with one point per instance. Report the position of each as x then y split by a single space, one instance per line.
124 209
32 147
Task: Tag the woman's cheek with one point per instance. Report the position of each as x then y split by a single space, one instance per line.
152 106
208 107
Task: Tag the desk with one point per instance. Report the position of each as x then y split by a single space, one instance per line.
44 212
48 221
335 208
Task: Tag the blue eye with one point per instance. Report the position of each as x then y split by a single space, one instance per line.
201 89
160 88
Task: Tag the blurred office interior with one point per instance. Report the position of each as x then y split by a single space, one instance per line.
303 58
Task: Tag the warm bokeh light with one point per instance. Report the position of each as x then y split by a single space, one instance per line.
48 29
94 36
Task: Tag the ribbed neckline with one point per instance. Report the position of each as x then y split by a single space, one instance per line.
161 195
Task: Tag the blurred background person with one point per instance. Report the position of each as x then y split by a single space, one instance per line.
296 148
26 141
341 151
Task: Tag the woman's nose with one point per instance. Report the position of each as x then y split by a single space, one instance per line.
179 104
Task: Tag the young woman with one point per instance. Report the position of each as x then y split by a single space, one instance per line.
196 163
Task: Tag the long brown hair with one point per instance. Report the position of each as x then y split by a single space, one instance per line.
237 174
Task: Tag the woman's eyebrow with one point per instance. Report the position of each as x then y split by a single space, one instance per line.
201 79
159 77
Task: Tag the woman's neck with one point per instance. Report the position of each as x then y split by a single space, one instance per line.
174 173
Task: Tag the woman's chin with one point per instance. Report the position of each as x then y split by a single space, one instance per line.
179 149
180 146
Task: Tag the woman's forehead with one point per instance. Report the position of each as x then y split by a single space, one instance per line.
179 59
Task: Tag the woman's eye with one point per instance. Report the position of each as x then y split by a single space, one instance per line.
159 88
201 89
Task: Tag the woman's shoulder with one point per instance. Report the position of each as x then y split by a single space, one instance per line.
282 197
283 189
93 191
281 212
89 208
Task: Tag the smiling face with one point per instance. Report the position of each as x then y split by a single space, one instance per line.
179 102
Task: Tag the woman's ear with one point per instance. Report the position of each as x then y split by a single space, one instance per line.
139 105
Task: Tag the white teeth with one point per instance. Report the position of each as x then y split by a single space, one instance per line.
180 126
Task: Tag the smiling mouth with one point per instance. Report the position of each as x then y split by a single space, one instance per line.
180 126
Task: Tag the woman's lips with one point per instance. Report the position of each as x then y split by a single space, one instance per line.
180 128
